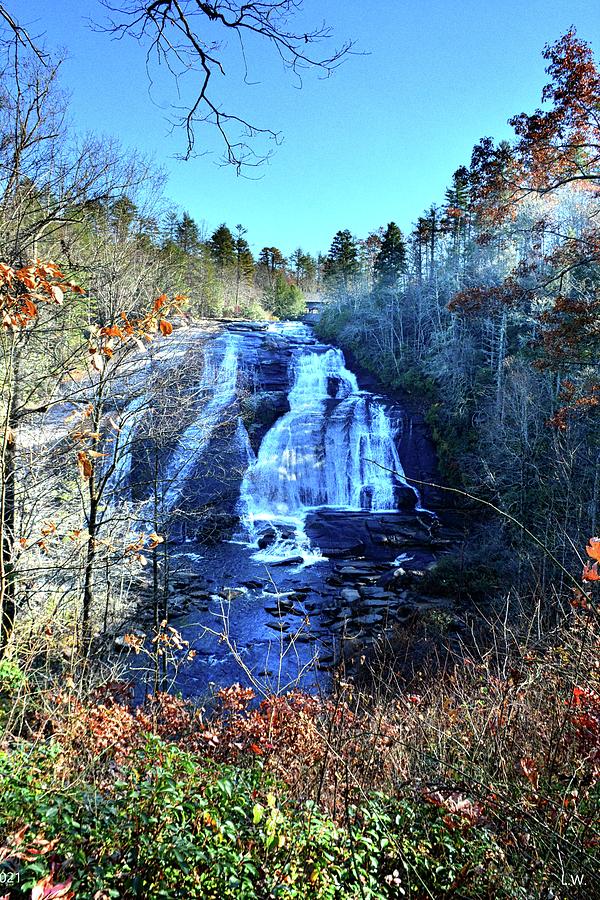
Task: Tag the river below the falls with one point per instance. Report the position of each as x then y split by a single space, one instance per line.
295 537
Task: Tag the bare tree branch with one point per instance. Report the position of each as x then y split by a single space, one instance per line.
177 34
21 35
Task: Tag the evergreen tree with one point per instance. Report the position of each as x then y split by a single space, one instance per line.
457 206
458 194
222 247
169 229
390 262
209 294
243 255
304 267
122 213
342 264
187 236
270 261
286 301
244 261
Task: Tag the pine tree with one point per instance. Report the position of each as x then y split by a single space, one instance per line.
222 247
304 267
187 235
244 261
457 206
342 264
169 228
390 262
270 261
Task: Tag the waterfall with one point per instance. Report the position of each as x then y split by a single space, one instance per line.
335 448
323 452
120 480
166 356
218 392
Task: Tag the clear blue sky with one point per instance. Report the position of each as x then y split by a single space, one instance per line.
377 141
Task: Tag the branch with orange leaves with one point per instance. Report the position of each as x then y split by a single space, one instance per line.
590 571
23 290
106 339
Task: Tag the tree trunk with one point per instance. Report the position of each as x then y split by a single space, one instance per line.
8 504
8 520
90 563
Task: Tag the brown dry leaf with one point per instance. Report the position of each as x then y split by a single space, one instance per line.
529 769
85 465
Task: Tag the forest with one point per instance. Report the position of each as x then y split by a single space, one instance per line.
299 554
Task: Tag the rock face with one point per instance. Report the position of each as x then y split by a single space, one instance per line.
260 411
345 533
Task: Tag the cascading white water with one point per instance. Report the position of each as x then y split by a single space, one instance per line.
120 480
359 438
323 452
165 357
219 385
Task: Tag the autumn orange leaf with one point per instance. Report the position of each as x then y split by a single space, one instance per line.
29 308
112 331
85 465
45 889
590 573
165 327
593 549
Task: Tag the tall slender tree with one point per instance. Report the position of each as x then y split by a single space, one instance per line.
342 265
222 247
390 262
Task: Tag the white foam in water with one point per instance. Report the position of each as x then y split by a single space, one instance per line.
323 452
402 558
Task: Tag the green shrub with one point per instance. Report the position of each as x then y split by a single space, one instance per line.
172 825
413 381
11 681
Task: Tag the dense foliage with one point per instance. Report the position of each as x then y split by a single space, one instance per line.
489 310
477 784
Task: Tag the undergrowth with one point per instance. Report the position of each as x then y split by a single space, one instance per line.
476 781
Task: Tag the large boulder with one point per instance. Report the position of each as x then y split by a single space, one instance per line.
264 407
215 526
337 533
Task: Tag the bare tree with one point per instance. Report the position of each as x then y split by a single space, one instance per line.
49 183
